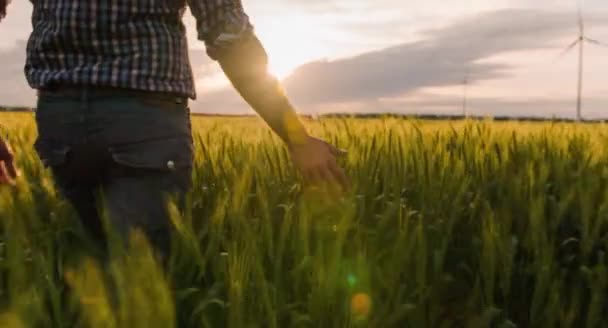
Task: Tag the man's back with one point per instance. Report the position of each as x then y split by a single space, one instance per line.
135 44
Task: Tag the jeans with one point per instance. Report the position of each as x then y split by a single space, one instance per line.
127 150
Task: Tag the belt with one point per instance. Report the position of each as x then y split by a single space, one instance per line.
103 91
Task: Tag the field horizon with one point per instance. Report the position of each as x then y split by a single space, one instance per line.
436 117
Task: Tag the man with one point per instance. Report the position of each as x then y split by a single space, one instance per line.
114 80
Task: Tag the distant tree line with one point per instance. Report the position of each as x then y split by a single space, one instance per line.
386 115
461 117
15 109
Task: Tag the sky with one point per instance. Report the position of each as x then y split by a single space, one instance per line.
370 56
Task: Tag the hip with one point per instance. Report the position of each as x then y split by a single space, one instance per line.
139 130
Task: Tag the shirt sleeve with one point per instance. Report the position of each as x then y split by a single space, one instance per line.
221 24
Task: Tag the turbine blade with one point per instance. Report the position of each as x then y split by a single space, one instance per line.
568 49
596 42
581 22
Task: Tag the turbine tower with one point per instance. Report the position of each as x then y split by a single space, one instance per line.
580 42
465 82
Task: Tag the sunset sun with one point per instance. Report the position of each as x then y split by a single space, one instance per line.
290 42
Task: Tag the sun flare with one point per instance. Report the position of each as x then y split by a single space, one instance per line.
290 42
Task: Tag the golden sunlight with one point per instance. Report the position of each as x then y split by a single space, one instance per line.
291 40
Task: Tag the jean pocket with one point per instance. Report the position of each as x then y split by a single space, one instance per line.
166 154
171 157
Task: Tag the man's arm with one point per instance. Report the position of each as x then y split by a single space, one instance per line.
230 40
246 66
229 37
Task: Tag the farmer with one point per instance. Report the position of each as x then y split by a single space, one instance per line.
114 81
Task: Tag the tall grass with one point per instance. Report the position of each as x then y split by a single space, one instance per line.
456 224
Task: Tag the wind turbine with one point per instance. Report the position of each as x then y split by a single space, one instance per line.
465 82
580 42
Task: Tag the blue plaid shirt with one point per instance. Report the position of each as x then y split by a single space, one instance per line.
134 44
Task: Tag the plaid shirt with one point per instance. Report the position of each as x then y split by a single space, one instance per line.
135 44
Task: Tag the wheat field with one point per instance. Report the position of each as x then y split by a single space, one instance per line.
448 224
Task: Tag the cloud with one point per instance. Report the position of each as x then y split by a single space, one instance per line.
380 80
440 59
480 105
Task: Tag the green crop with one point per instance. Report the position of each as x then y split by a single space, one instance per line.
449 224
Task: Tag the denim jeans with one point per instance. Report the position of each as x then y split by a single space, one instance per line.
125 149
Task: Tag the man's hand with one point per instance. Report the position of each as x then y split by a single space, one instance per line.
7 168
316 160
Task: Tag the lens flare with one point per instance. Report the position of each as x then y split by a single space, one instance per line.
361 305
352 280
